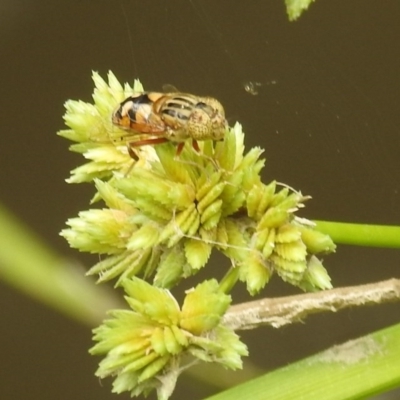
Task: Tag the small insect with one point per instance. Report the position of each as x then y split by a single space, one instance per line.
170 117
252 87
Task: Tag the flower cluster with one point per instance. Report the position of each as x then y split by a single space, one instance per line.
163 216
145 346
165 213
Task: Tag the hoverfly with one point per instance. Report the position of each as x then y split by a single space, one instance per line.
174 117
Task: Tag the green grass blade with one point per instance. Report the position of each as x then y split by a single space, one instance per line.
355 370
295 8
27 264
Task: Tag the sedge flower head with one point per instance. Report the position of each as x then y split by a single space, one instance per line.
161 217
147 346
165 213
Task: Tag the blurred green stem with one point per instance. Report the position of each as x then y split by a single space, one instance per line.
361 234
31 266
229 280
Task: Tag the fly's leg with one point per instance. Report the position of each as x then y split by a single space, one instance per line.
143 142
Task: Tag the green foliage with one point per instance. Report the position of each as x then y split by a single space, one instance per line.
358 369
295 8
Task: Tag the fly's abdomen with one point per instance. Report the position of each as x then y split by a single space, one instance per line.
136 113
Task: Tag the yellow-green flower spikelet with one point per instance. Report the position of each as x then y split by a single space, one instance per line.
166 213
144 346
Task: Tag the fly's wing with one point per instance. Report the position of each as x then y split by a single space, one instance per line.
167 88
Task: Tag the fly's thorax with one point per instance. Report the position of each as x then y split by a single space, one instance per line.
188 116
175 109
177 135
